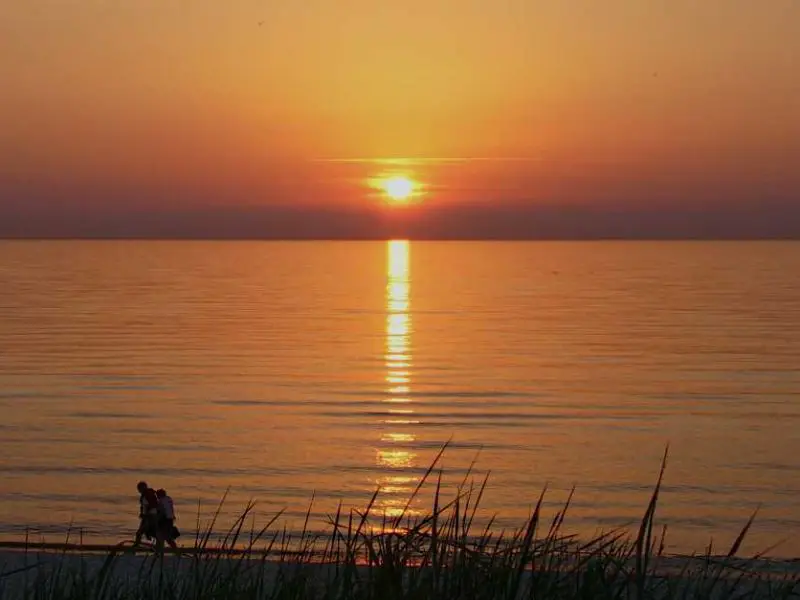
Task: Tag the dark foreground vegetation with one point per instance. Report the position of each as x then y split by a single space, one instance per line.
437 556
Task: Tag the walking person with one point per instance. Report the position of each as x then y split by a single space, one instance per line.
148 513
166 519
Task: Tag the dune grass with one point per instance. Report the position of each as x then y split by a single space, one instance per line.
442 555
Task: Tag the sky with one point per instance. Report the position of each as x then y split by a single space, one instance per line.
515 119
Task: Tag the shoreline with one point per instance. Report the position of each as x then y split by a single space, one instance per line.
126 549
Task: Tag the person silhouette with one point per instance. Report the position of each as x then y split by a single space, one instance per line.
148 513
166 518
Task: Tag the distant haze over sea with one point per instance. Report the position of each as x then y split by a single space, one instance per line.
769 220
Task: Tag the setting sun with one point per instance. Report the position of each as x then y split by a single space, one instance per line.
398 189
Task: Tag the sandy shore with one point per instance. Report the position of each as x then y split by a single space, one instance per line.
19 567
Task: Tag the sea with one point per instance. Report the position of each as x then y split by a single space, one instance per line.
306 376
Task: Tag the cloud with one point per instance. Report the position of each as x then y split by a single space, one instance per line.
426 161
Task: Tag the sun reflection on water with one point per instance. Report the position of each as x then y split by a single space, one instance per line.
394 453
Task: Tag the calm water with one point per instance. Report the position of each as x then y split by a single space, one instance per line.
282 369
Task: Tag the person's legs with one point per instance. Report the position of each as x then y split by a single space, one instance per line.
158 533
171 532
159 542
168 533
139 532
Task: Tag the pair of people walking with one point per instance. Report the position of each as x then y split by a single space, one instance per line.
156 517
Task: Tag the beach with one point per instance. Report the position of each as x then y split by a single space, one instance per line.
378 300
92 573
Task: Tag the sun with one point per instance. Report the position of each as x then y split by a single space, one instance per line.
398 188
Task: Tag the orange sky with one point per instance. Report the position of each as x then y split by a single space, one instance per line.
595 101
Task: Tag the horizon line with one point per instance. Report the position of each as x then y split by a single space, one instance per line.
105 238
